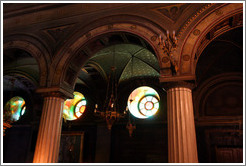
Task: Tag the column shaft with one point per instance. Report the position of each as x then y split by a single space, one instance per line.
48 141
182 147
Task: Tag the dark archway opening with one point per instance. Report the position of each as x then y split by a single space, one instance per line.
218 99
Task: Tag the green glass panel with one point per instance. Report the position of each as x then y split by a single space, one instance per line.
14 108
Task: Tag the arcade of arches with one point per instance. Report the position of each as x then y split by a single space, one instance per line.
175 71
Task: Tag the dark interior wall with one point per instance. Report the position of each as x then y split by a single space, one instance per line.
225 101
17 144
148 144
89 142
219 125
19 141
219 144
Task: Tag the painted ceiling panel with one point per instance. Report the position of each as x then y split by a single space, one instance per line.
126 58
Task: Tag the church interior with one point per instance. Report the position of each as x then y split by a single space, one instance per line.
122 82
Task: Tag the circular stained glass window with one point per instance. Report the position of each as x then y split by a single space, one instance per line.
148 105
74 108
80 108
143 102
14 108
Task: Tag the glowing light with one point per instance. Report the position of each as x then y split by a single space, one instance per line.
15 108
23 110
80 108
143 102
74 108
149 105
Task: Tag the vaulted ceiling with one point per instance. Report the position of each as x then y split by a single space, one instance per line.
131 62
55 26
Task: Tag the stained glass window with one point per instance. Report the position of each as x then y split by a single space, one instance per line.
74 108
14 108
143 102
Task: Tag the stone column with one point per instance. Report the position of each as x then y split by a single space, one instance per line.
48 140
182 147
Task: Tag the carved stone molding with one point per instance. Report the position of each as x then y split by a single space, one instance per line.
55 92
193 17
192 42
185 84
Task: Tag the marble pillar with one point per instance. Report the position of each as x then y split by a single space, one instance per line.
182 147
48 140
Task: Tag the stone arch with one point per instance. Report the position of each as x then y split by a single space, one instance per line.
192 39
33 47
210 85
68 66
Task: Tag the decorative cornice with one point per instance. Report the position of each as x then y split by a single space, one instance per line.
192 18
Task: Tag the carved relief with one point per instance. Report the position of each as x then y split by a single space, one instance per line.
153 38
186 57
196 32
172 12
57 33
165 59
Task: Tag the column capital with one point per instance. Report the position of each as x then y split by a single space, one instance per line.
185 84
55 92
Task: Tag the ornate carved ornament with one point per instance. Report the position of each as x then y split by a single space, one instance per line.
57 33
168 44
176 70
188 51
192 18
172 11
